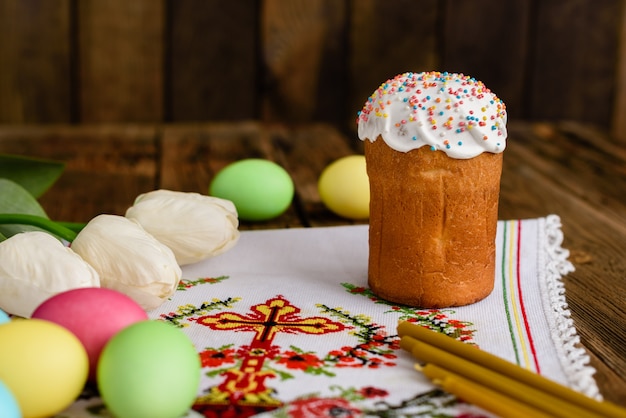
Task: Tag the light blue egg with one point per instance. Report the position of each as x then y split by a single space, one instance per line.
8 405
4 317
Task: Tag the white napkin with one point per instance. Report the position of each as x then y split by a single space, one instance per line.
286 326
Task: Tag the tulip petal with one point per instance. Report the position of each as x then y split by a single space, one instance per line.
129 259
35 266
194 226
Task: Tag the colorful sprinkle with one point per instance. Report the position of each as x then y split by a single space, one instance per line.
415 101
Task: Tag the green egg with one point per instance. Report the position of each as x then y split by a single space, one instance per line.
259 189
149 369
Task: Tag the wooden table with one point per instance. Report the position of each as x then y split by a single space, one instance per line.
566 169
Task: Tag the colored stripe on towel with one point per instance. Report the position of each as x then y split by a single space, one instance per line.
513 297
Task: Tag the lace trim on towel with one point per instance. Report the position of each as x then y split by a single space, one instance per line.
574 359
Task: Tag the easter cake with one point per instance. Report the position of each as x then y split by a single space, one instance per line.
433 148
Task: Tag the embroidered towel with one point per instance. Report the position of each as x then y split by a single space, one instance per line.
285 326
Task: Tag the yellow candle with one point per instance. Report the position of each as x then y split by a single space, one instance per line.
479 395
495 381
504 367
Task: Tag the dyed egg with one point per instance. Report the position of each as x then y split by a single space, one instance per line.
149 369
43 364
93 314
8 404
4 317
260 189
344 187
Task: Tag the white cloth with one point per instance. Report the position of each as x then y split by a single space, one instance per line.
285 324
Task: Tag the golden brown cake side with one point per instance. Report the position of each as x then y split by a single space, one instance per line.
433 223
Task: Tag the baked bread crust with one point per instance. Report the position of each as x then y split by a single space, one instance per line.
432 226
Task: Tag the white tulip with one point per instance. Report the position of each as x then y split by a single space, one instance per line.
129 259
194 226
35 266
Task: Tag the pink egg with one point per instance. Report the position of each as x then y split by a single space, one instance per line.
93 314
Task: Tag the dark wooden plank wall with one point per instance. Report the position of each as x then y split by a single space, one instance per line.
156 61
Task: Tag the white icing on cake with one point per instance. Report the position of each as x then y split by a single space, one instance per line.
450 112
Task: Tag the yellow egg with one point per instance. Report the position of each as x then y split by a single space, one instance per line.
344 187
43 364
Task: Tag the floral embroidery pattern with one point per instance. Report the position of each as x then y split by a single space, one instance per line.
188 284
322 407
296 359
348 403
376 348
218 357
244 371
187 311
434 319
244 382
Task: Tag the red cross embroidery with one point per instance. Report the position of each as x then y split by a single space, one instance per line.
247 384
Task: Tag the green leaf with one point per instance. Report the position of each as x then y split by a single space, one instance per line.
16 199
39 221
36 175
